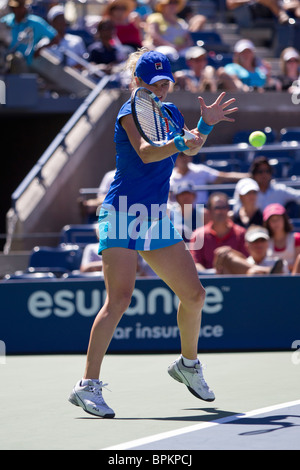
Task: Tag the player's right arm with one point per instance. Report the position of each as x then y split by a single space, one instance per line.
149 153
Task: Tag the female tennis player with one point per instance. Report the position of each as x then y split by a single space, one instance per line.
141 185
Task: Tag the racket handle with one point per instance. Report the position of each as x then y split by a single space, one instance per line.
188 135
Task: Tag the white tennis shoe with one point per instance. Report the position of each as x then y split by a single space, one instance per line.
193 378
90 398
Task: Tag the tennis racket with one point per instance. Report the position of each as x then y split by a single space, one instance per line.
152 119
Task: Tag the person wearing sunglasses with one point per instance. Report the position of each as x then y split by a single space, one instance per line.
270 191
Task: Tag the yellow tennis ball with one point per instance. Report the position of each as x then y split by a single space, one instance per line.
257 139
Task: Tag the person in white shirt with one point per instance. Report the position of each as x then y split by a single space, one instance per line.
197 174
229 261
270 192
69 42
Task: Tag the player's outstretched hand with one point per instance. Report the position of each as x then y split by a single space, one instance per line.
217 111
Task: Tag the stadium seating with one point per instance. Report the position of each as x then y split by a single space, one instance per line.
58 260
224 165
79 234
79 275
288 134
210 40
294 169
30 276
242 136
87 37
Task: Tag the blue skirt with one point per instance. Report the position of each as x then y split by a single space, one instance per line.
119 229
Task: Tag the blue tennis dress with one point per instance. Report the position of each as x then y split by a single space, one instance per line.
133 214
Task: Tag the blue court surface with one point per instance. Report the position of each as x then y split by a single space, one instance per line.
270 428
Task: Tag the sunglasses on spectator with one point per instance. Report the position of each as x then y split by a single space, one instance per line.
260 172
220 208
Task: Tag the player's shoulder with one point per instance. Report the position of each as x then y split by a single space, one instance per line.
125 109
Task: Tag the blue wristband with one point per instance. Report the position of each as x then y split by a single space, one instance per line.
204 128
180 144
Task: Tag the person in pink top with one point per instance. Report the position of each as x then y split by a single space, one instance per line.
220 231
284 241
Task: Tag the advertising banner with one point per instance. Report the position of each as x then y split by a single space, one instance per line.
240 313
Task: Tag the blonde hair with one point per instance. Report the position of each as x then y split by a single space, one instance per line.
282 62
132 61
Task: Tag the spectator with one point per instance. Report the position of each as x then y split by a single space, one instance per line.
246 12
292 7
106 51
246 69
220 231
195 21
296 267
90 207
199 76
65 41
289 65
26 33
229 261
91 261
284 242
198 174
248 213
270 191
126 21
184 214
166 32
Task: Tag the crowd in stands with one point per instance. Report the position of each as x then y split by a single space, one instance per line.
104 40
249 234
253 235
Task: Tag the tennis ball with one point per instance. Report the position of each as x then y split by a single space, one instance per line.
257 139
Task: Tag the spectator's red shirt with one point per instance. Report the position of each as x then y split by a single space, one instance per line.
235 238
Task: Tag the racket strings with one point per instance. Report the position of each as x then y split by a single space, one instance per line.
150 118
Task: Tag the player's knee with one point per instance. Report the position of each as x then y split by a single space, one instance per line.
121 302
197 298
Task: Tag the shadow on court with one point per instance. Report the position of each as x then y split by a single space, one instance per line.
275 421
211 414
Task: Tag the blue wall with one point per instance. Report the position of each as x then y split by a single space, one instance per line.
240 313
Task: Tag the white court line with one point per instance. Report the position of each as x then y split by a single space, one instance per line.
197 427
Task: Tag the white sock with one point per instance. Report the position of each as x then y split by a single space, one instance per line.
189 362
86 381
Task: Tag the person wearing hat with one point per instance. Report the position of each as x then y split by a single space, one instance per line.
198 76
248 213
133 219
184 213
127 22
197 174
246 70
229 261
289 68
284 241
27 30
65 41
165 31
269 190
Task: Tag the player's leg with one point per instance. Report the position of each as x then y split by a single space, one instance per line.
176 268
119 269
